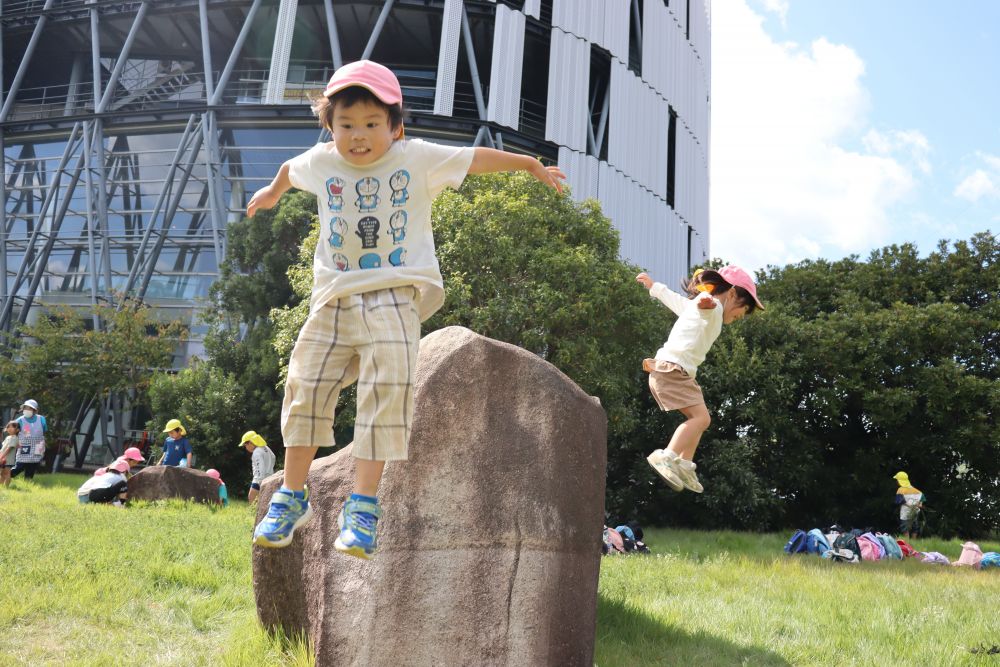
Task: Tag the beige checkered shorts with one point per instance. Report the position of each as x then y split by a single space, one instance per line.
373 338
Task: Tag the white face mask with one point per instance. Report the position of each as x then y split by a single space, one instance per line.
29 413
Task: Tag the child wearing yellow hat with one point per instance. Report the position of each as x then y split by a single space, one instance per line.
910 501
261 460
176 448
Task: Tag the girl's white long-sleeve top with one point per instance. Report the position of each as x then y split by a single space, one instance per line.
694 331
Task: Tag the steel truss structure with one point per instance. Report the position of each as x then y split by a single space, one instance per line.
133 131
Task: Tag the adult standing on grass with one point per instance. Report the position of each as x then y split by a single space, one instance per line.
176 448
261 461
31 440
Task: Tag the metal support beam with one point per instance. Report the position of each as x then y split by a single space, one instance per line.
220 87
95 55
3 207
470 53
637 23
8 304
284 31
379 24
213 177
75 76
22 69
206 48
603 122
331 28
109 91
91 251
167 183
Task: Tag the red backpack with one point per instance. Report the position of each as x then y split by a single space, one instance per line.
906 549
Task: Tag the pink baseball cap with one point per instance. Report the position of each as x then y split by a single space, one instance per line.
100 471
377 79
133 454
213 473
734 275
120 465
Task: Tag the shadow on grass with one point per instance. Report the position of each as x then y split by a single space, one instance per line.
629 636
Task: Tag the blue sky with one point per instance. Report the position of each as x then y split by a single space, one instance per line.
843 126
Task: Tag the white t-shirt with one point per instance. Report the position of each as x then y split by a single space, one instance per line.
262 463
694 331
375 220
105 481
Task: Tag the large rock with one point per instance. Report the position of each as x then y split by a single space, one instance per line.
162 482
489 546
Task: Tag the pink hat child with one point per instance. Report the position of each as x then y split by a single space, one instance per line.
214 474
378 79
738 277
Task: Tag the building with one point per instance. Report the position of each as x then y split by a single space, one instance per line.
134 131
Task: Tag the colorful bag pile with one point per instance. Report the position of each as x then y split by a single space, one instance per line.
854 546
623 539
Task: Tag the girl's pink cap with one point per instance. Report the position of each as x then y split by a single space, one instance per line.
378 79
100 471
734 275
120 465
213 473
132 454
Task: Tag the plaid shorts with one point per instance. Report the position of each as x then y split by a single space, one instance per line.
373 338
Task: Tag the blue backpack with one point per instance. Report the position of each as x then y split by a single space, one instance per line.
798 543
892 549
816 542
990 559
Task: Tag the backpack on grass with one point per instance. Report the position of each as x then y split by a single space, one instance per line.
798 544
892 549
990 559
816 542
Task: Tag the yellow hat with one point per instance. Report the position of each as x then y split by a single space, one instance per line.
172 424
902 478
253 438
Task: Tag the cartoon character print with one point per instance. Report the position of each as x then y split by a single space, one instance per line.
370 261
367 189
368 227
398 257
398 182
341 262
335 190
338 228
397 224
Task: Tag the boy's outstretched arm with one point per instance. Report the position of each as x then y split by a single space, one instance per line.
269 195
489 160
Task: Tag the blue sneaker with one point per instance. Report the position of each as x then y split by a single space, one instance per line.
357 523
285 514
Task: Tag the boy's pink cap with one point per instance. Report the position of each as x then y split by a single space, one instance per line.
213 473
132 454
734 275
378 79
120 465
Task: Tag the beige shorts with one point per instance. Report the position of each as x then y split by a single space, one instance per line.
671 385
373 338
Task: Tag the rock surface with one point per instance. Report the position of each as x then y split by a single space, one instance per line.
489 545
162 482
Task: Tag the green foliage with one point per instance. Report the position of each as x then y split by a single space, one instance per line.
58 361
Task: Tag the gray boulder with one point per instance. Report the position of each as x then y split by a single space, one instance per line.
162 482
489 545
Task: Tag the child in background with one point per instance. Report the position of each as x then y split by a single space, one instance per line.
133 457
112 486
910 500
261 461
223 493
376 278
716 298
176 448
10 444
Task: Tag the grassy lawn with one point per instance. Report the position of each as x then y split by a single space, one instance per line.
170 585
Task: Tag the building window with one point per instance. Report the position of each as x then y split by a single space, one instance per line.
671 157
635 37
599 101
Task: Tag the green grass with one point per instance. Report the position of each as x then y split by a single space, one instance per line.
170 585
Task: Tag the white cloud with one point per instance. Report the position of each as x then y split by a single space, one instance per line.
983 182
976 186
778 7
785 186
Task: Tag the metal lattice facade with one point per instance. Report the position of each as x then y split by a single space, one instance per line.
134 131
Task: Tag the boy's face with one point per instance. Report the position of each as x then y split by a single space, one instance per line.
175 434
362 132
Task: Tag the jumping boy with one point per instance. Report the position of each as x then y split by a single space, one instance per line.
375 279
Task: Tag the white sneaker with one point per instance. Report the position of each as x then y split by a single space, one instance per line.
658 461
685 471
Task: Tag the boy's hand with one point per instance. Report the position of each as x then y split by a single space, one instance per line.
264 198
550 176
706 302
644 280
